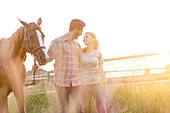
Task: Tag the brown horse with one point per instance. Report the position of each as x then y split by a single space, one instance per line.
28 38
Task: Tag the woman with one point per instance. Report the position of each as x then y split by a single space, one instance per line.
93 77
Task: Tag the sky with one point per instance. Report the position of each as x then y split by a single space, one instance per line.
123 27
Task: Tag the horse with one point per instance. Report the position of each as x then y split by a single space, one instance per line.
29 38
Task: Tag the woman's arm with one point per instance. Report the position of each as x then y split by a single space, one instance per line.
101 71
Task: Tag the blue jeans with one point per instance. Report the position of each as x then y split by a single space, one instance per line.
97 92
63 96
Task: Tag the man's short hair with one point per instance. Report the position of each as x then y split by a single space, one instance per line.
76 23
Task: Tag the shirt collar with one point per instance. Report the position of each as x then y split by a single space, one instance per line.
66 39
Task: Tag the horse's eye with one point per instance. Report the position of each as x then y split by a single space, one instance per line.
31 37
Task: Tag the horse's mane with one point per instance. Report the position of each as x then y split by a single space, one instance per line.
21 32
17 39
16 36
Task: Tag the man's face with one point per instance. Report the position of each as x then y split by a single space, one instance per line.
78 33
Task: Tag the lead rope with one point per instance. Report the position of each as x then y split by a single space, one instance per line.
34 68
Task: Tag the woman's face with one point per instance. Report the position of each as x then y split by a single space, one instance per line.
87 39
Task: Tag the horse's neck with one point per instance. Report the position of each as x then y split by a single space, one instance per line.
17 44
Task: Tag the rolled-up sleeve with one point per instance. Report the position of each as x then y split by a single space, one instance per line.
52 50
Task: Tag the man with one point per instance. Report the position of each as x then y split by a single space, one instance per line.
67 79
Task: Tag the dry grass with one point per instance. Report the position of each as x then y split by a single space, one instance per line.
150 98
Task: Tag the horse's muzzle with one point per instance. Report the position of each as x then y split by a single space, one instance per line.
42 59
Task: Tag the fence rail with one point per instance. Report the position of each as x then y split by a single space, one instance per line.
136 69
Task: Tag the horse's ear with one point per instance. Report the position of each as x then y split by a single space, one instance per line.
39 21
23 23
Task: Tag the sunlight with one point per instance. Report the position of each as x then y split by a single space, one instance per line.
137 66
124 28
122 31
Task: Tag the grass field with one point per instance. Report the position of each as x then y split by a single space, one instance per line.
150 98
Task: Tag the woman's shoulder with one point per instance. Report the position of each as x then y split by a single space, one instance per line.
98 52
83 50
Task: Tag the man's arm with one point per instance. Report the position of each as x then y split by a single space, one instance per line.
53 50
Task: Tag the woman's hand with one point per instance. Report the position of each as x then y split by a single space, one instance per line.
106 91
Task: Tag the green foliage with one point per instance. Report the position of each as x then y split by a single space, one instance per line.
36 102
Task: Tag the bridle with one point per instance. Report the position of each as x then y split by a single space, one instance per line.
27 43
32 54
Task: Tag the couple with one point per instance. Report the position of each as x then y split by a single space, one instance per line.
76 69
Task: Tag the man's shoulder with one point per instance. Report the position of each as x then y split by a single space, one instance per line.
58 39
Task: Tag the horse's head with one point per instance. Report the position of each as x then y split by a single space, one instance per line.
34 41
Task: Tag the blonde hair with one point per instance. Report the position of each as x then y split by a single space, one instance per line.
95 43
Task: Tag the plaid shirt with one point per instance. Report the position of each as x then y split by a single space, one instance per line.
66 55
